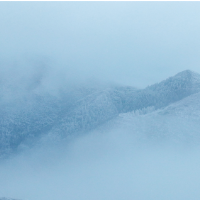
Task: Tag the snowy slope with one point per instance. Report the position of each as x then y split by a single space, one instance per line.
33 115
26 118
168 91
101 107
93 110
178 122
188 107
105 105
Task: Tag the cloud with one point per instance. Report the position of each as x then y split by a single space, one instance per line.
102 166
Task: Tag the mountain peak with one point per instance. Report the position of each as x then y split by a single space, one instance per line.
187 74
186 79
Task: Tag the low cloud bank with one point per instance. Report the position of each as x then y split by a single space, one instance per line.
103 166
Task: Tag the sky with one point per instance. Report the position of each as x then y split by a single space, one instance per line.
130 43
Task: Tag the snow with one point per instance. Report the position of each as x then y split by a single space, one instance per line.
157 111
178 122
110 122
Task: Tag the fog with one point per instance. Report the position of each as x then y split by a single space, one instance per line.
103 166
48 47
131 43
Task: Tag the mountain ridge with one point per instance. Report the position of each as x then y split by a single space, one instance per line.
82 110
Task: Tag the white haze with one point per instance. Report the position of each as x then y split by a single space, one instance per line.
131 43
103 166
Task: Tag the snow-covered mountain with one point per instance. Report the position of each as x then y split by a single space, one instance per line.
24 119
178 122
168 91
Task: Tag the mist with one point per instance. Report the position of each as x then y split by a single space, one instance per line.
103 166
120 42
58 59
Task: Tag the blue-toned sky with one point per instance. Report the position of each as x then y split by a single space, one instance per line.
131 43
